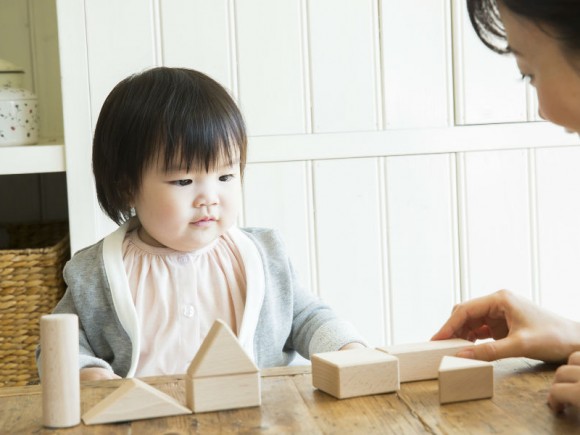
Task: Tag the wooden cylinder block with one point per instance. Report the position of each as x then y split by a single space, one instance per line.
59 341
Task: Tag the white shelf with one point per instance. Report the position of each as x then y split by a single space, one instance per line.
46 156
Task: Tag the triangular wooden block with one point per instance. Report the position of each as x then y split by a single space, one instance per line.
134 400
220 354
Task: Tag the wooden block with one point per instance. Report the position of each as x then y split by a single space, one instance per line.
464 379
220 353
215 393
420 361
133 400
221 375
357 372
59 360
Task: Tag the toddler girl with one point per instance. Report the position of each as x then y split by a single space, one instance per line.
168 157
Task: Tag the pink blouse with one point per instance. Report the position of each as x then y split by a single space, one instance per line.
178 296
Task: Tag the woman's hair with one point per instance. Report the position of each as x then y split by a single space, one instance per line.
162 116
559 18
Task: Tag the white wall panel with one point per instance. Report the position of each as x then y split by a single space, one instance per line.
558 199
84 212
271 66
197 34
126 26
422 253
495 223
276 195
344 65
377 235
417 74
348 233
488 86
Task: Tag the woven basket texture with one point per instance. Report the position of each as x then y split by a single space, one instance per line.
31 284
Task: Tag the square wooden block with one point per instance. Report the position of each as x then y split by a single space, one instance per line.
357 372
420 361
463 379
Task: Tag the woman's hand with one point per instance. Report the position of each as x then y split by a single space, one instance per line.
97 374
520 328
565 390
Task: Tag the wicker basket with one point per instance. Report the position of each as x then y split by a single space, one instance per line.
31 284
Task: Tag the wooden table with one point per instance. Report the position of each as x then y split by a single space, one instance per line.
291 404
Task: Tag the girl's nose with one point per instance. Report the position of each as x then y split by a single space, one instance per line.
205 200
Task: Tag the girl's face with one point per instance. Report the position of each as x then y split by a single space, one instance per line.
185 210
549 69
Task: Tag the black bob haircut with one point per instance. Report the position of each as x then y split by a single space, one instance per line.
157 117
559 18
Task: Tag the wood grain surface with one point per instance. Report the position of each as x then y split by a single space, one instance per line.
290 404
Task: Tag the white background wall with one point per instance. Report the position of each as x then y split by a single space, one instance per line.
398 156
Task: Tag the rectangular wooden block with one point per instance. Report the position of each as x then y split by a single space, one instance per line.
215 393
357 372
463 379
420 361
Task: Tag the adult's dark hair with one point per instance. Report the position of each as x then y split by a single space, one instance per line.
559 18
162 116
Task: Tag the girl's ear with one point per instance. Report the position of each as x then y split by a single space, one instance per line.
126 193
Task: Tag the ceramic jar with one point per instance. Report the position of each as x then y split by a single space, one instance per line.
18 117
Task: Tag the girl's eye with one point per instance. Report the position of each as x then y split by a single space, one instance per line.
182 182
226 178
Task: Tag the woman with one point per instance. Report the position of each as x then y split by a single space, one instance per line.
544 37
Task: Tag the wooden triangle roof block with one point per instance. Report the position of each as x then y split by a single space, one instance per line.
220 354
222 376
133 400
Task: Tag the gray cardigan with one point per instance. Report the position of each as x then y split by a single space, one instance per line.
290 319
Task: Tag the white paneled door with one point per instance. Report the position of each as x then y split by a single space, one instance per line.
349 235
496 234
423 257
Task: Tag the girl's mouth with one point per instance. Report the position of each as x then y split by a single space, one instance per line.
205 220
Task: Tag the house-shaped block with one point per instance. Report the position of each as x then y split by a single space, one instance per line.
222 376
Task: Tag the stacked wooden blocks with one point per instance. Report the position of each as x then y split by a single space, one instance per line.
222 375
357 372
